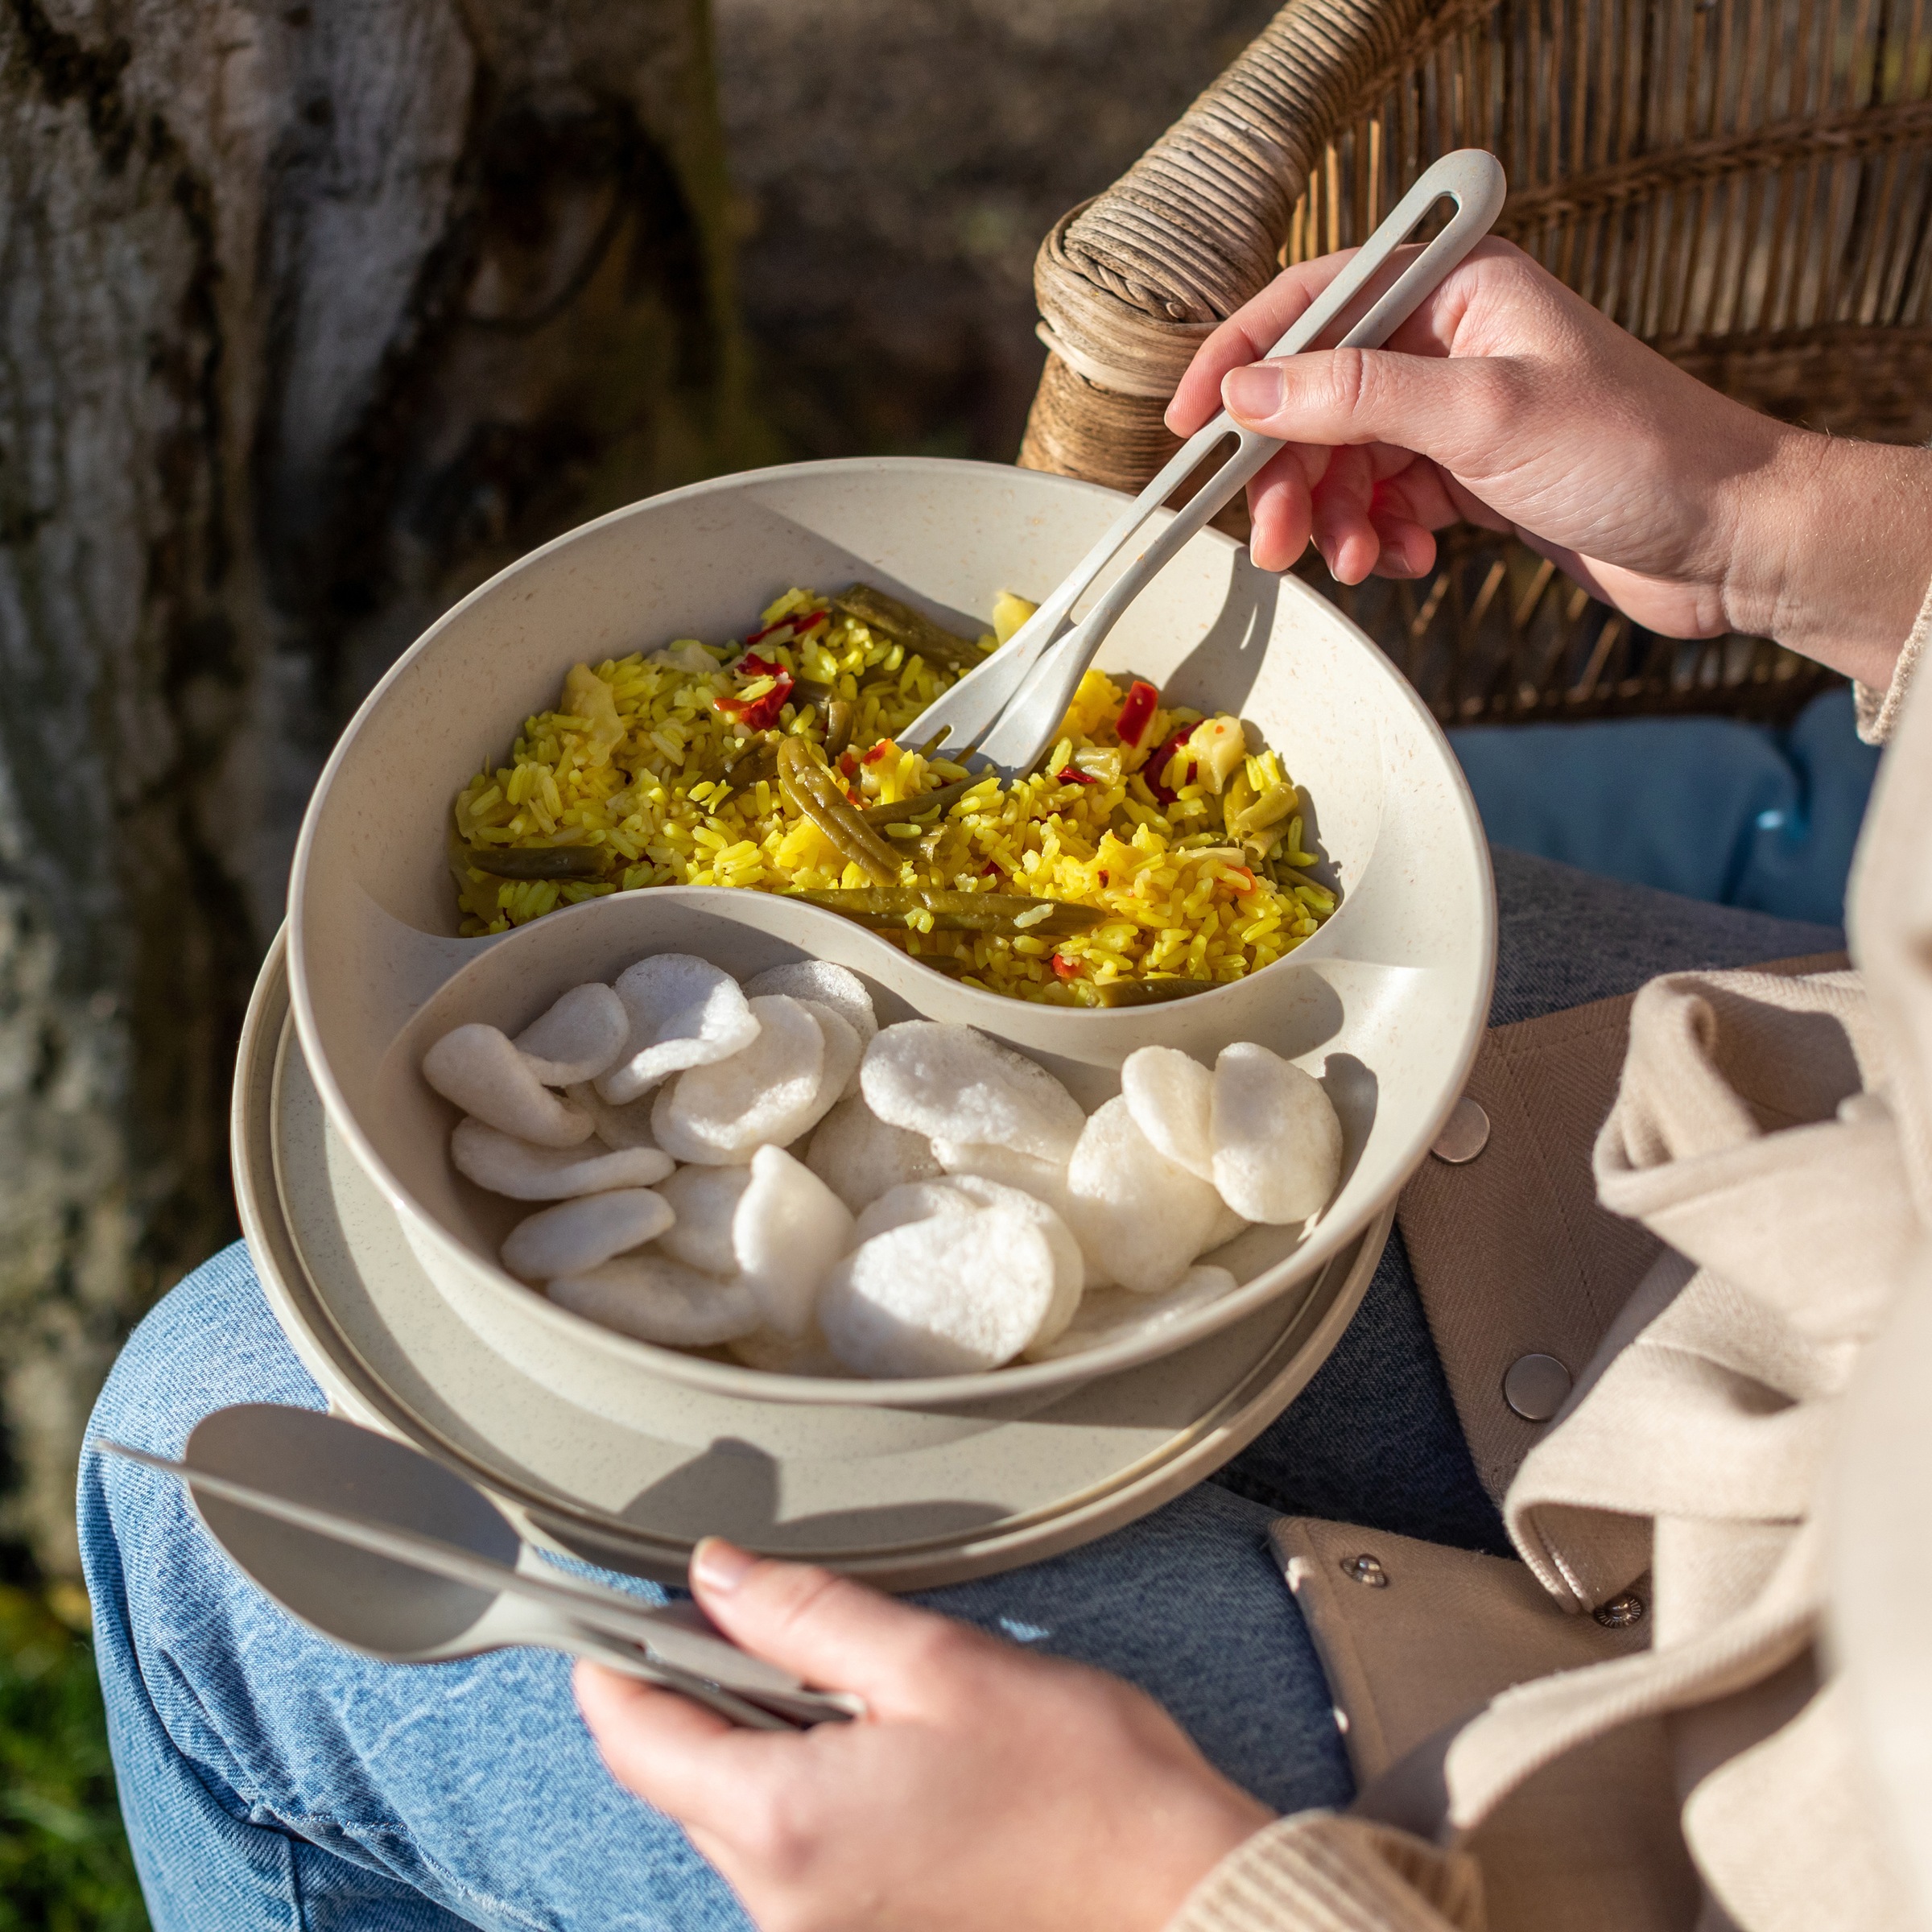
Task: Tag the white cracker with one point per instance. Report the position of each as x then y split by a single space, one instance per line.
1277 1141
705 1200
684 1012
948 1295
505 1164
789 1229
584 1233
1171 1098
954 1083
657 1300
581 1034
1044 1180
766 1096
1116 1313
838 987
914 1201
1139 1217
1069 1267
860 1157
617 1127
1226 1225
840 1076
478 1068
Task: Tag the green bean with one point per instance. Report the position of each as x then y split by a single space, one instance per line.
759 759
905 625
839 716
537 861
814 794
998 913
944 796
1148 992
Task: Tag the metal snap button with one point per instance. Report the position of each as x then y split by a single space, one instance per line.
1621 1611
1535 1385
1366 1569
1464 1135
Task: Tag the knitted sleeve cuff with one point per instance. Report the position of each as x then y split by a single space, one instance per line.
1318 1871
1878 710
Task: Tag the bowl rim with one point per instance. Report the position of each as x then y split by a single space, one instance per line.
735 1379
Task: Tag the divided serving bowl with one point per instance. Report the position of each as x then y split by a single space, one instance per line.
1385 1003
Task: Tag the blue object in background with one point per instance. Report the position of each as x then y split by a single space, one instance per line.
1737 814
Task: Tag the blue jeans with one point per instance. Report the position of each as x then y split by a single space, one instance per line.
270 1779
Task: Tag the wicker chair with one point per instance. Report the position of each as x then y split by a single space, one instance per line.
1747 185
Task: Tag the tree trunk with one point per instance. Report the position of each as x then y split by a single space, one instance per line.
310 317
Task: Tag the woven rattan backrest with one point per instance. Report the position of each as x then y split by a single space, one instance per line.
1746 184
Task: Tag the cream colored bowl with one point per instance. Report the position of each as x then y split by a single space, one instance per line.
1386 1003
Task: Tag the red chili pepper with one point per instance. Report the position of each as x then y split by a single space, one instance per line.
991 869
1103 878
849 763
1064 967
796 624
877 752
1152 770
1071 774
1137 714
1245 874
760 713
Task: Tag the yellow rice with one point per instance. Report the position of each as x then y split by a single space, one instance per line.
1178 905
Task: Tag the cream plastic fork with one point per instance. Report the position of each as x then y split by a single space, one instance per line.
1005 713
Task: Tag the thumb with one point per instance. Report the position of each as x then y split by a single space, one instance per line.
835 1633
1455 410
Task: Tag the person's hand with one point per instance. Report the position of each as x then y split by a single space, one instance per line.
988 1788
1508 402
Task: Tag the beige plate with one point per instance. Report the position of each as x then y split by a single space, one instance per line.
989 1495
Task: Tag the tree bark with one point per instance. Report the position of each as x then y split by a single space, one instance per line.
310 317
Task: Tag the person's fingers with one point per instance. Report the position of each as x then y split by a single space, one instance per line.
1279 507
1342 532
1246 335
1416 494
832 1632
1458 411
1408 550
1253 329
687 1761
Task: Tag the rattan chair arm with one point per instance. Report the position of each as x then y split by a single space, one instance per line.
1129 282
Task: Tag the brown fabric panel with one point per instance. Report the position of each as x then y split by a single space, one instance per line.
1450 1629
1512 1254
1591 1843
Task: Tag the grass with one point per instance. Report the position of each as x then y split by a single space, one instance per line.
64 1865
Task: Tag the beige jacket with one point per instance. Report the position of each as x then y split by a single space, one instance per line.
1704 1697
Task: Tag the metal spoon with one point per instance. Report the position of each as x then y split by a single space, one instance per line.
1006 712
388 1553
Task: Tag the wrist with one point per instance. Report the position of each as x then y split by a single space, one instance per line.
1193 1840
1831 550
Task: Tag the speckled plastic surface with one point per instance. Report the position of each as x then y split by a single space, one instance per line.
1386 1003
389 1351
